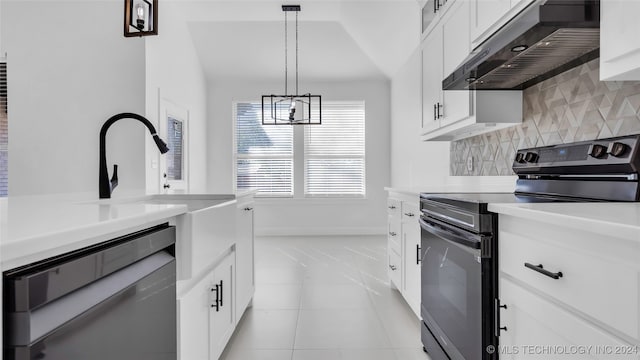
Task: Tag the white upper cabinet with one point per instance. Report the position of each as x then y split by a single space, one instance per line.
431 90
485 13
455 114
455 48
619 40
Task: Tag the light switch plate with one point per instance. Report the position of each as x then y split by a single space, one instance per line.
470 163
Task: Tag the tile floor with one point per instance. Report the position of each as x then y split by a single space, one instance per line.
325 298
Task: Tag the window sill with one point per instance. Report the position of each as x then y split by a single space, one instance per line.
321 201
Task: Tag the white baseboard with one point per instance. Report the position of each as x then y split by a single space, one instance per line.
320 231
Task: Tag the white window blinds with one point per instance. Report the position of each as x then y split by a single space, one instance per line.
334 152
264 154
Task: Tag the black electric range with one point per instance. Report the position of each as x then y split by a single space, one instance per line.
460 239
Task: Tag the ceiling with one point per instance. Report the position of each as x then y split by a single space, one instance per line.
338 40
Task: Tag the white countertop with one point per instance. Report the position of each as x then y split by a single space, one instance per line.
37 227
618 219
461 184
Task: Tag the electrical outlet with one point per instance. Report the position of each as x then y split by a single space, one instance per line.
470 163
154 164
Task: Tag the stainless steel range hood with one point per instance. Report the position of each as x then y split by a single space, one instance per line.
545 39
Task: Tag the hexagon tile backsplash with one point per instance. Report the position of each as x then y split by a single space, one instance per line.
569 107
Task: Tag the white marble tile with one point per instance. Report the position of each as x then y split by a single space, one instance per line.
279 275
411 354
266 329
256 354
324 354
277 296
334 296
369 354
334 328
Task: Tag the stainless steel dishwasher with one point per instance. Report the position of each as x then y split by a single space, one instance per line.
114 300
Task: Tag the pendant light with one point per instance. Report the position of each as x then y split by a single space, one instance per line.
140 18
291 109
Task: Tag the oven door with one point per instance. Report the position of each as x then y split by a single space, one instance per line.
452 288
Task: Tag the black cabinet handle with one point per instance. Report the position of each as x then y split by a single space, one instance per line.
392 233
392 207
392 267
435 6
440 106
434 112
497 318
216 302
248 209
539 268
418 254
221 294
409 214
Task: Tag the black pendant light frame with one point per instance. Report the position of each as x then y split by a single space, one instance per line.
282 109
131 25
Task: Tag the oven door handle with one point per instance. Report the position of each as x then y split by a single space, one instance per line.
435 227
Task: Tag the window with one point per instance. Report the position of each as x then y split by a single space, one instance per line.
334 152
264 154
331 156
174 142
4 132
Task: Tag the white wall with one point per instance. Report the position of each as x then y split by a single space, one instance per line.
307 216
69 69
174 73
414 163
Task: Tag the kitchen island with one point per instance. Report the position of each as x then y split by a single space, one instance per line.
214 238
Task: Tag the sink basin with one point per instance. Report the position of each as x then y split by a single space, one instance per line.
203 234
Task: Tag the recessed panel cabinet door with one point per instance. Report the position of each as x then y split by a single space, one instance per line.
411 239
619 40
431 80
455 49
485 13
222 314
244 255
193 323
534 324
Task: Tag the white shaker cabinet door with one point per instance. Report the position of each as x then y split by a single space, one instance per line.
455 49
431 80
222 315
619 40
534 328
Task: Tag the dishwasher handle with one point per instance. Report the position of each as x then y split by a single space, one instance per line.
450 233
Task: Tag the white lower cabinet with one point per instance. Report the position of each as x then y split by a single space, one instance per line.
566 294
211 302
222 319
536 328
206 313
245 274
403 246
411 256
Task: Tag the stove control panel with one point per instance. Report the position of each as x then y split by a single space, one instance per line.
613 155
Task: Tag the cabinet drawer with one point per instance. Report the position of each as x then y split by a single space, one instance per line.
394 235
394 207
588 280
410 212
534 325
394 269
